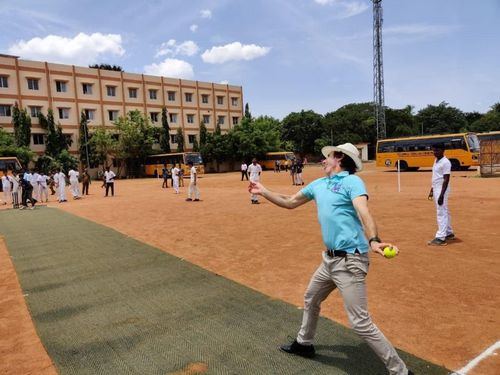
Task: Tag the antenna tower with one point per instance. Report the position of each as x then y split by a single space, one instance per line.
378 70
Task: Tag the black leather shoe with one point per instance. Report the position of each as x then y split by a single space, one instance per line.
306 351
410 372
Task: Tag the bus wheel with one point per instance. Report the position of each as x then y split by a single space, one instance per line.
403 166
455 165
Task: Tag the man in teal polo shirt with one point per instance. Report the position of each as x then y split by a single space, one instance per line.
342 201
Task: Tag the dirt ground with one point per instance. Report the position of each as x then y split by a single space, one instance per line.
439 303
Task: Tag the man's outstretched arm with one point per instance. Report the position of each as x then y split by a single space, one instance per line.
281 200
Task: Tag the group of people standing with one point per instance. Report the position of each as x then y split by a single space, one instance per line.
176 174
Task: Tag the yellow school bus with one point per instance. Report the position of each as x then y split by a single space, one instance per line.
462 149
490 136
9 163
284 157
155 163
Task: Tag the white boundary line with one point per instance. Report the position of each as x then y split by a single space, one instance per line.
479 358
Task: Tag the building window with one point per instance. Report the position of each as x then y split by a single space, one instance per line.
220 119
111 90
38 139
235 120
89 114
204 98
173 138
4 82
220 100
5 110
189 97
153 94
190 119
206 119
87 88
154 116
173 117
191 138
63 113
61 86
171 96
35 110
113 115
33 83
234 101
132 93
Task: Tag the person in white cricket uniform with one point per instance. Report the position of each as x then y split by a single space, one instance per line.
254 170
193 184
6 187
42 185
15 189
175 178
60 178
73 181
440 190
36 186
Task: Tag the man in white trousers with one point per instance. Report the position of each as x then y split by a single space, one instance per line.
73 181
193 184
440 190
14 179
254 170
175 178
7 188
60 178
35 184
42 186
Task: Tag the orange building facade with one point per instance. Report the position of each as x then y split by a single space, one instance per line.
106 95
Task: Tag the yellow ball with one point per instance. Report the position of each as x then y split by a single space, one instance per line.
389 252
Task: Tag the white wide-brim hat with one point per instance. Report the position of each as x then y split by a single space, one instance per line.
348 149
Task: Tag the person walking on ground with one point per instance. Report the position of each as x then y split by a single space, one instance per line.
293 170
175 178
7 188
254 170
74 183
440 190
52 183
35 184
109 179
342 202
85 182
193 184
14 179
27 194
244 172
42 187
181 176
60 179
298 173
277 166
164 175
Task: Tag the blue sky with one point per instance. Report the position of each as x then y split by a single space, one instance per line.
288 55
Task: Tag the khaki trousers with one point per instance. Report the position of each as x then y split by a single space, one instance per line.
348 275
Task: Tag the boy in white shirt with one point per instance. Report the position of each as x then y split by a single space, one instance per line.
42 185
60 179
6 187
193 184
109 180
14 179
73 181
254 170
175 178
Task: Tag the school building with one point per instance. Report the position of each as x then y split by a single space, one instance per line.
105 95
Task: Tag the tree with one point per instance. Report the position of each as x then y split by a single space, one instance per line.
302 128
104 145
135 140
490 121
83 141
165 132
196 146
22 126
52 146
107 67
203 134
179 139
8 147
441 119
248 115
400 122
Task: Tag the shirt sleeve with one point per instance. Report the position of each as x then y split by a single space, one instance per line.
308 190
356 187
446 167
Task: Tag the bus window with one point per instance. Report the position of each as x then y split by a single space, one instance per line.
473 142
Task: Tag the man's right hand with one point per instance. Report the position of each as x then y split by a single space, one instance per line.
255 188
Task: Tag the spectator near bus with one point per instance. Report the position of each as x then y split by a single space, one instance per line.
193 184
244 171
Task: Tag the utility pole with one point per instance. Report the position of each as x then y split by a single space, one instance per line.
378 70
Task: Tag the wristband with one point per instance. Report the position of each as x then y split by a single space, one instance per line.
374 239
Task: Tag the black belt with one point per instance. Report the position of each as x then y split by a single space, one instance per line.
339 253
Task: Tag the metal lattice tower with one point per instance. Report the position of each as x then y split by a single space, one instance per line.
378 70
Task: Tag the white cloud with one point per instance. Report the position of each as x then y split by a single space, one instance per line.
224 82
187 48
234 51
193 28
346 9
420 29
171 68
83 49
205 13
